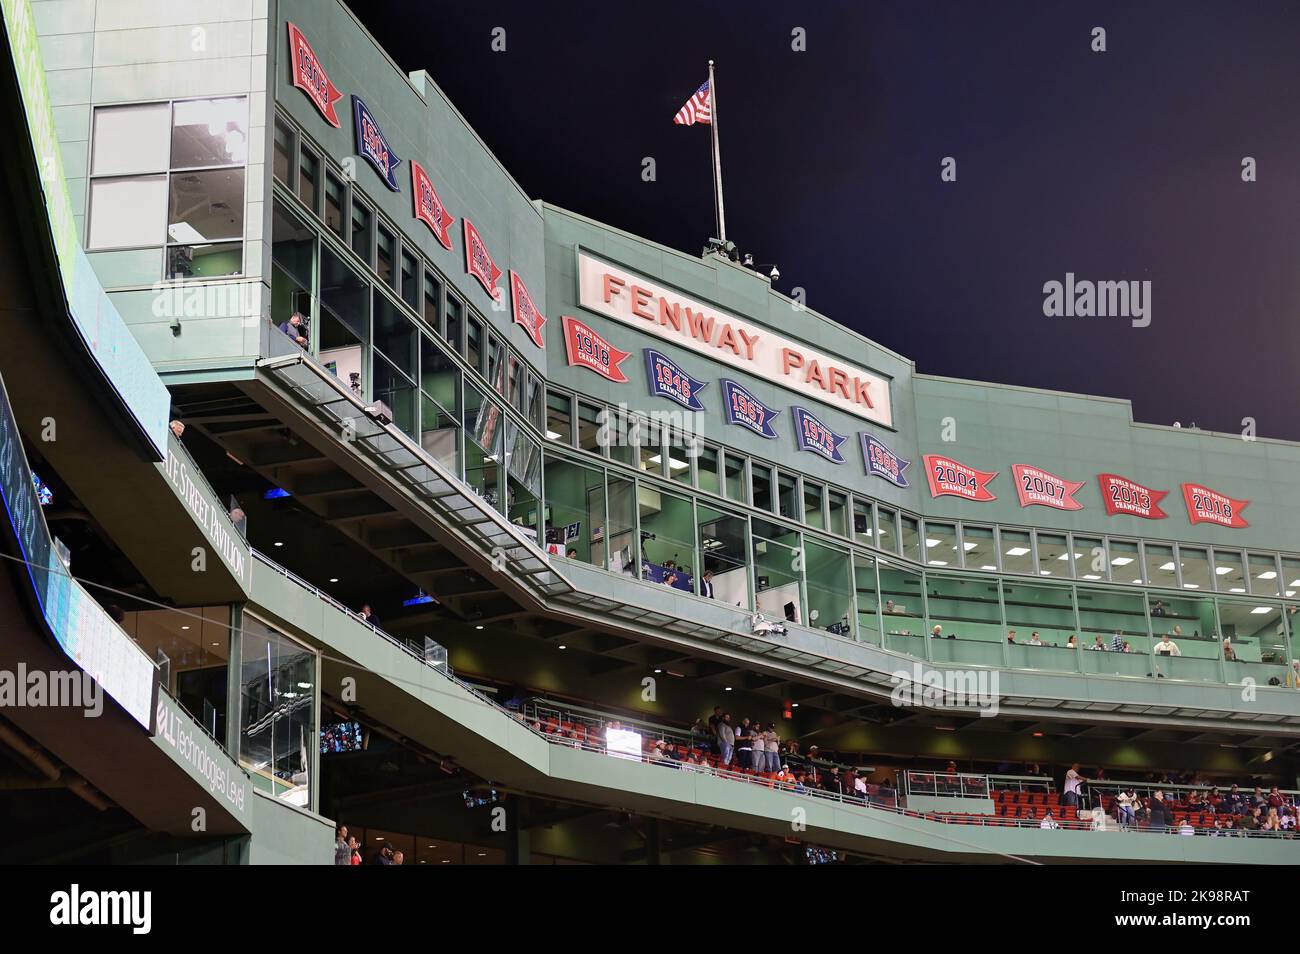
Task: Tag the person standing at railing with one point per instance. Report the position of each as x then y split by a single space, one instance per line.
1124 809
1073 786
726 740
745 748
771 748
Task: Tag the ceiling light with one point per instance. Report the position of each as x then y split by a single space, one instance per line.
938 563
1267 575
278 543
1261 609
988 568
480 626
1237 589
334 579
1091 576
794 705
1017 551
1223 570
1191 586
931 542
1167 566
1121 561
968 546
726 688
1066 556
657 671
184 627
564 647
553 435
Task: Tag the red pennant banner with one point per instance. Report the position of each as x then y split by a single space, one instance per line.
479 263
589 350
1209 506
949 478
310 77
428 207
1125 496
1038 487
526 312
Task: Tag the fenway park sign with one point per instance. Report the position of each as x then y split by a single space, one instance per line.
659 310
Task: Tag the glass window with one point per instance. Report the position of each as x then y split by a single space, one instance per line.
812 505
838 509
210 132
439 377
760 476
206 206
397 391
559 417
344 322
575 511
1228 571
967 611
1161 570
130 138
127 212
1017 557
536 402
1290 576
1053 555
735 476
886 529
473 343
454 312
789 500
410 280
777 558
911 537
439 406
707 466
386 256
496 363
723 541
394 334
903 611
334 203
308 178
941 544
1124 566
362 236
293 261
277 712
590 419
651 457
667 538
282 157
1089 558
864 582
1195 564
977 547
1190 624
1253 641
432 302
624 548
623 435
523 478
206 261
1105 615
829 575
1263 574
679 458
483 420
515 376
863 531
1042 620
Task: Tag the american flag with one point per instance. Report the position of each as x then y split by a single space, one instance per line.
698 109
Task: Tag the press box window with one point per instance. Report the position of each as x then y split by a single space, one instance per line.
308 178
335 203
130 139
127 212
282 157
362 234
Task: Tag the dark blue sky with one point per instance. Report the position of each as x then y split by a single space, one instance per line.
1117 165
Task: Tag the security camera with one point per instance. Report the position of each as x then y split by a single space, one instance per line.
749 260
775 273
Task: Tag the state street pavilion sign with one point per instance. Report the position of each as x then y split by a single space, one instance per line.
662 311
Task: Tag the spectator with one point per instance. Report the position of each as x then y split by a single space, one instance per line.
1158 609
1186 828
342 853
1124 809
1048 821
745 748
1073 786
355 848
385 855
714 721
772 746
293 328
1011 636
368 614
726 740
1034 640
812 772
1162 814
937 632
1293 675
1072 642
572 554
1098 645
178 428
398 857
1229 654
1127 648
1167 647
1117 642
706 584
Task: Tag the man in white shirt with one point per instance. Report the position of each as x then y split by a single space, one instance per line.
1048 821
1167 647
1073 786
1034 640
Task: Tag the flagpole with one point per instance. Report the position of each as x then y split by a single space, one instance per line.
717 156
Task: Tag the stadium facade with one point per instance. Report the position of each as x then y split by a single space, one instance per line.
581 480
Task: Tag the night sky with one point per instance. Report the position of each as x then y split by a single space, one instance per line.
1122 165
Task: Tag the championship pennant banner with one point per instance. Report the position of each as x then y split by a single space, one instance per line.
372 144
1038 487
1209 506
526 313
882 462
670 381
812 435
479 263
586 349
949 478
428 207
744 409
310 77
1125 496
